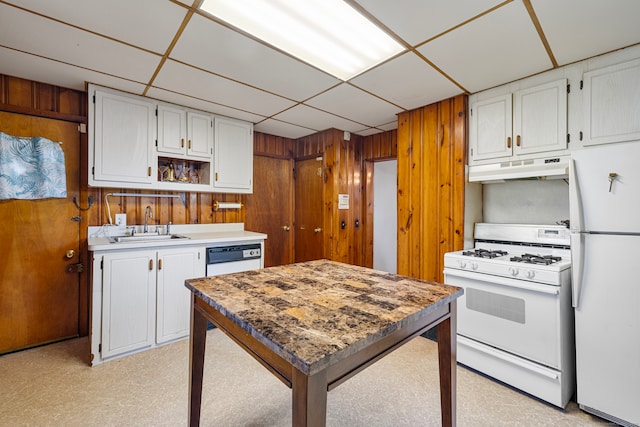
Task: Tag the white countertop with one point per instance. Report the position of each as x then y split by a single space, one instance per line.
198 234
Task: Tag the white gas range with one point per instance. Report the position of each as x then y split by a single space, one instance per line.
515 321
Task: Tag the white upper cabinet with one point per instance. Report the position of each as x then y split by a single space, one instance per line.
121 139
136 143
233 156
172 129
540 118
611 104
491 129
184 132
529 121
199 134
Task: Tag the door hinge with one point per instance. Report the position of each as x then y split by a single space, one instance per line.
471 111
580 135
94 99
581 84
156 112
100 348
93 170
101 264
568 138
156 142
76 218
568 88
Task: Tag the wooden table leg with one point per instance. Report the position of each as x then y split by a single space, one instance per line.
309 399
196 362
447 367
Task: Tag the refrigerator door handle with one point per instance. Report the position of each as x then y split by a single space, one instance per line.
577 262
575 201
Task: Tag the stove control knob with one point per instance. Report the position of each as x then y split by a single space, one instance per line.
531 274
474 265
463 264
514 271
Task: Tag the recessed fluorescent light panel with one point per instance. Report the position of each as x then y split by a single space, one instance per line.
328 34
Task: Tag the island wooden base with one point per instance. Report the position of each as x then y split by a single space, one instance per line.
309 390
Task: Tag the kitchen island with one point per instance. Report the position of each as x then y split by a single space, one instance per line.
315 324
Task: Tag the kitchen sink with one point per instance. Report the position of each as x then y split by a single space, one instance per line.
145 237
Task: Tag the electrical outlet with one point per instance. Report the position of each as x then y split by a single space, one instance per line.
121 220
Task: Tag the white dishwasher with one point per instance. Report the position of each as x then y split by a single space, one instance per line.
233 258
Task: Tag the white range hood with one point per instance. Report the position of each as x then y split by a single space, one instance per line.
556 167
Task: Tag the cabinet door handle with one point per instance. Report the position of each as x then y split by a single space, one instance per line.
189 144
182 143
150 264
160 264
518 140
508 142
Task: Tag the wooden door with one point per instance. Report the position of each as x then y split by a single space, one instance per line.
39 299
270 208
309 233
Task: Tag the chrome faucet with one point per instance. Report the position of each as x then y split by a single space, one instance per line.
147 214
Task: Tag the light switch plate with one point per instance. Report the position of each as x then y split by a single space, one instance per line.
121 220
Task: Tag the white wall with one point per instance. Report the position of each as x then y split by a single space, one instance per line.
385 215
526 202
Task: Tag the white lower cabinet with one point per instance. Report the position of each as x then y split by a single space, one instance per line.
173 311
144 300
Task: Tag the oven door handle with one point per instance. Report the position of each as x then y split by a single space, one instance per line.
517 361
504 281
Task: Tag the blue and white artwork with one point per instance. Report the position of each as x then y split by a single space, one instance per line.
31 168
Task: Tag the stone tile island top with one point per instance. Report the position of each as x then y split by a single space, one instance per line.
316 324
315 313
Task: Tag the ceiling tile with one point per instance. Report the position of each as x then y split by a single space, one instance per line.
417 20
120 19
499 47
312 118
31 67
76 47
200 104
276 127
209 87
213 47
354 104
584 35
368 132
389 126
407 81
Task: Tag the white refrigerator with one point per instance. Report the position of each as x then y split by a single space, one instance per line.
604 190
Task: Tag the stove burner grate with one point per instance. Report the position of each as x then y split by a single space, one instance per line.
484 253
536 259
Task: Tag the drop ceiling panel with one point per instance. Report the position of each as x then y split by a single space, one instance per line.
312 118
499 47
211 46
356 105
209 87
595 27
31 67
76 47
150 24
419 20
408 82
275 127
200 104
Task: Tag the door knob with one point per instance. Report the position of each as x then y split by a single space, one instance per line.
317 230
286 228
70 254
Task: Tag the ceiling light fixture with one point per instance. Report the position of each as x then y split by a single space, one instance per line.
328 34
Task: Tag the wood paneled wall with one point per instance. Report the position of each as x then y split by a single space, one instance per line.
272 146
431 160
